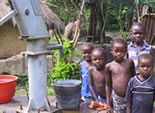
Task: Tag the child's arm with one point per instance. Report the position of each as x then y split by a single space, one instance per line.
91 83
152 51
132 68
128 107
108 85
128 97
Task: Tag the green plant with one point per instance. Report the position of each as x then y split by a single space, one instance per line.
22 85
65 67
122 17
65 9
125 35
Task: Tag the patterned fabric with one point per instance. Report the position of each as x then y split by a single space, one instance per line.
119 103
85 90
134 52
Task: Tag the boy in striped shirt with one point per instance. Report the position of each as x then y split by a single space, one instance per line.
138 45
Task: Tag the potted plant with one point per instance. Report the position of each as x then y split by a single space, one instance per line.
65 75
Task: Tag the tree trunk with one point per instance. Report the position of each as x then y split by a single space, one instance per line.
92 25
97 21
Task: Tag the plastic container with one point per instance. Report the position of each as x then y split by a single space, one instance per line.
68 93
7 88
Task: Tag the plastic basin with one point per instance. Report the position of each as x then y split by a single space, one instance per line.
7 88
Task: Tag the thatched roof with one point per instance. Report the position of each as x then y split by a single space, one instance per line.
4 9
50 17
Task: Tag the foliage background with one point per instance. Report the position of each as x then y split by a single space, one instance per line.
117 11
64 65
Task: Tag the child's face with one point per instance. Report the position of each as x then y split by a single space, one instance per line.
137 34
98 60
86 52
145 67
118 51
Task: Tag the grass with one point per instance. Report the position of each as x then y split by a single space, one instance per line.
50 91
22 87
21 91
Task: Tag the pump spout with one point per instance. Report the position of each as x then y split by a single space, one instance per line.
56 46
7 17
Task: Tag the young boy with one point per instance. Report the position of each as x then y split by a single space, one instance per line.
141 88
119 71
86 52
138 45
97 75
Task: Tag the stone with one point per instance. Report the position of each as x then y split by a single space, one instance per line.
17 65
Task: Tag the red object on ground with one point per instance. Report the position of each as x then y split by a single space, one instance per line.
7 87
99 106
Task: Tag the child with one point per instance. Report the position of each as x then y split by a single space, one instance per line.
97 75
141 88
138 44
119 71
86 52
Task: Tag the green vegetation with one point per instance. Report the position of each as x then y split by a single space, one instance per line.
108 15
65 9
148 2
98 17
117 15
65 67
22 86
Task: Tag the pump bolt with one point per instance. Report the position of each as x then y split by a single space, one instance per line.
27 12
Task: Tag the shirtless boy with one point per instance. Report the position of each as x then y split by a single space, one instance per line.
118 73
97 75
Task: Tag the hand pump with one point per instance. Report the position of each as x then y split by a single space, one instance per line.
29 18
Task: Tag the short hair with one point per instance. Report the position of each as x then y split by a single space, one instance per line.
87 44
119 40
137 24
101 51
146 56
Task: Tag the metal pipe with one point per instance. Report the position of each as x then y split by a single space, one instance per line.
56 46
7 17
37 72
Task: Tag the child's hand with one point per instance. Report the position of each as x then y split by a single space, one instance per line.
110 110
91 104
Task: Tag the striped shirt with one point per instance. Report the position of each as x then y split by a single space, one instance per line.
141 94
134 51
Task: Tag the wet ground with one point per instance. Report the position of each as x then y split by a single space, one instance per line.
71 112
18 101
